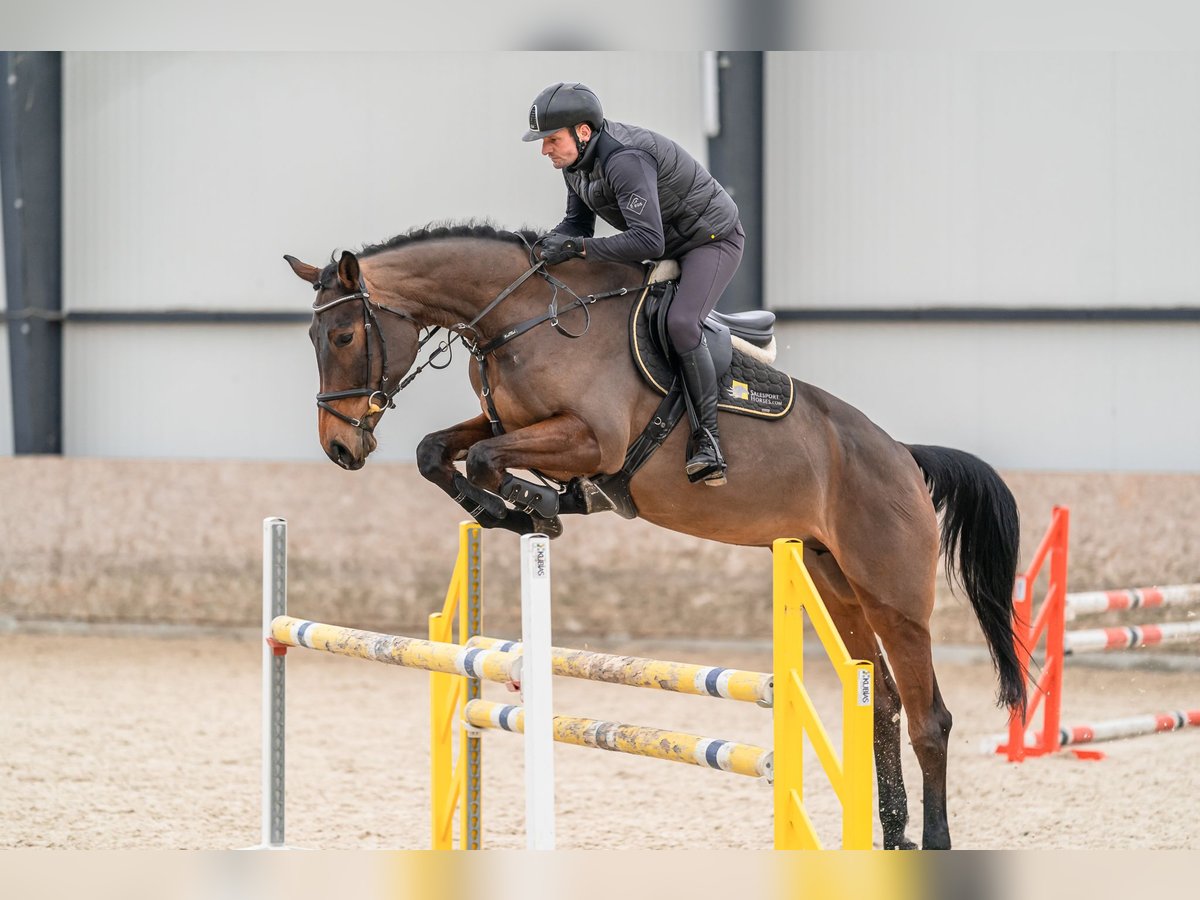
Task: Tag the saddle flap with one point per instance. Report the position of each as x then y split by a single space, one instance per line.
746 385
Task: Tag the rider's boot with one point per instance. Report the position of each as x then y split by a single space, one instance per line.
705 462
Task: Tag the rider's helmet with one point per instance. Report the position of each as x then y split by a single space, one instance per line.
563 105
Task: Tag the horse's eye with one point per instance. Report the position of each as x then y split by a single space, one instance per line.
344 339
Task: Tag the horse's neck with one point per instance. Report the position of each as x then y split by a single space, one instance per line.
443 288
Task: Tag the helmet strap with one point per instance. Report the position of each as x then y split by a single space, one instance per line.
579 145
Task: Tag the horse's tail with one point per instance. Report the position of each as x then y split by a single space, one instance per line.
981 532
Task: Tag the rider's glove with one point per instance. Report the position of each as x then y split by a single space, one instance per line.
556 248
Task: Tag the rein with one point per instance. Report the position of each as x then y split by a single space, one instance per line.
480 352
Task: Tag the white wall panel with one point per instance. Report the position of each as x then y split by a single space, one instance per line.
983 179
189 175
202 391
1037 396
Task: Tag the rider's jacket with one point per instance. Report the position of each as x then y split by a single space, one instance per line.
648 187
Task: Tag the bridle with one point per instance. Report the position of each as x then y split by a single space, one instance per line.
382 396
382 391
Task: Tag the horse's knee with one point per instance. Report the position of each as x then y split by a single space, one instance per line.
481 469
431 457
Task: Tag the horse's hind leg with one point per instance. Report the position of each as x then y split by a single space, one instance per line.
860 641
897 598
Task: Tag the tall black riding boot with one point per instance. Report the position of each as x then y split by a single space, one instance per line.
705 462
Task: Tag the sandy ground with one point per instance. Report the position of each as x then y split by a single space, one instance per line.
154 742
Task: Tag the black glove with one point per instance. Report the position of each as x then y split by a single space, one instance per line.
557 248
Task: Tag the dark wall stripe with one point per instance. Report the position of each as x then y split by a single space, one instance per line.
31 175
166 316
913 314
993 314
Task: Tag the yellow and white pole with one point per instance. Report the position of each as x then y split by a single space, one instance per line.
635 740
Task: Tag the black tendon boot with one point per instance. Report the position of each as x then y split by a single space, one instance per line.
705 462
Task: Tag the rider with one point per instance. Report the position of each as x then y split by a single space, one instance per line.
667 206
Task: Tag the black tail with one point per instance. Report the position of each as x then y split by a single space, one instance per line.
981 532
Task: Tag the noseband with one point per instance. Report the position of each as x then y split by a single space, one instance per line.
380 397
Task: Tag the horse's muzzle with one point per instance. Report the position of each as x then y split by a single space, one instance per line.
340 454
343 456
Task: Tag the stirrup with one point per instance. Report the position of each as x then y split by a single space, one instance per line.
712 474
712 470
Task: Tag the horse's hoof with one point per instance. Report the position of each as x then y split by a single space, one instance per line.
552 528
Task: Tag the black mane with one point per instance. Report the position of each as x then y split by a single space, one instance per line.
435 230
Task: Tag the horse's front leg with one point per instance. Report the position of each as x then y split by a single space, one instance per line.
436 455
563 443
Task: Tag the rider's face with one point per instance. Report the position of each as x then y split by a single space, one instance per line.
560 146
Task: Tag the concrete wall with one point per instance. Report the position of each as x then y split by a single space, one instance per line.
176 542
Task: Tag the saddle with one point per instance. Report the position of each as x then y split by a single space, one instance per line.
742 346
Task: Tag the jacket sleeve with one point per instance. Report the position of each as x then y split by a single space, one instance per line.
580 221
634 178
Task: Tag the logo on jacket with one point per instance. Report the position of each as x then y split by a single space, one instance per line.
636 204
533 125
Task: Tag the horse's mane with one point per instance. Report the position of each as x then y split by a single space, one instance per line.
471 228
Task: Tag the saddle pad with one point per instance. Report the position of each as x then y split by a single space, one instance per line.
749 387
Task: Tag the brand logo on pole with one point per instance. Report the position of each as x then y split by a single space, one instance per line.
540 562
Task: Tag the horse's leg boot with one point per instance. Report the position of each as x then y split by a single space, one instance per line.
476 500
530 497
705 462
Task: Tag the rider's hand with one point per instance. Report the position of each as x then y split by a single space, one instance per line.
556 248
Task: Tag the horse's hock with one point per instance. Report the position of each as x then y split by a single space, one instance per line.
165 541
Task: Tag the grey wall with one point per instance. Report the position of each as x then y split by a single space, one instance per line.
6 419
1000 180
894 180
188 176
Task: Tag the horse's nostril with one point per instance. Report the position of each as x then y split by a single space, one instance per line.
340 454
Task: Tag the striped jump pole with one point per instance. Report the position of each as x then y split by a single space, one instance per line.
411 653
1129 637
657 674
1109 729
636 740
1024 739
1087 602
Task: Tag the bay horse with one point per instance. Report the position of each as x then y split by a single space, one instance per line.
865 505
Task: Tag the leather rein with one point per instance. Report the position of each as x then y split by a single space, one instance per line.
382 396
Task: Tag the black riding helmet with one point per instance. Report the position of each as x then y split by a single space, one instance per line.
564 105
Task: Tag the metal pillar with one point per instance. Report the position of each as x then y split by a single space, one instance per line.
274 684
735 158
31 187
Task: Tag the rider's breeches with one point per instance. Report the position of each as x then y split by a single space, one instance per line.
705 273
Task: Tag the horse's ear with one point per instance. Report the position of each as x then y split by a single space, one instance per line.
348 272
303 270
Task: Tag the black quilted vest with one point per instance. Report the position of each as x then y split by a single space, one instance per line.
695 207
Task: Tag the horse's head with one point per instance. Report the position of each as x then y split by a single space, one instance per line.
363 350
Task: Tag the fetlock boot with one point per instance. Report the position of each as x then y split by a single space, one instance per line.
705 462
